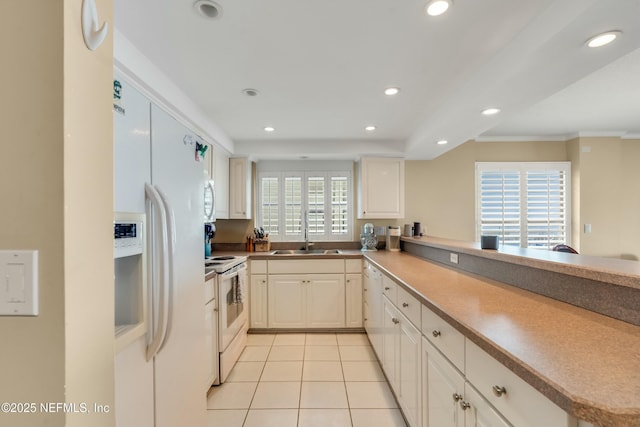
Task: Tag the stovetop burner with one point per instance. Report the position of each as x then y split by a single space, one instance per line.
222 258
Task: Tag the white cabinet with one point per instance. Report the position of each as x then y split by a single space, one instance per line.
402 360
325 301
354 300
390 342
478 413
409 372
221 182
442 390
381 187
517 401
211 334
258 301
240 188
287 301
306 301
372 294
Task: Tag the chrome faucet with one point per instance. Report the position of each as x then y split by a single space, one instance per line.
305 220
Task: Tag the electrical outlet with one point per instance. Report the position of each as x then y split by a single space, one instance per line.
453 258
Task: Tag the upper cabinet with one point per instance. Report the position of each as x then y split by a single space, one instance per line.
381 187
220 160
240 188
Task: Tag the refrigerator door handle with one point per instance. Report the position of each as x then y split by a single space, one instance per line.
170 260
157 334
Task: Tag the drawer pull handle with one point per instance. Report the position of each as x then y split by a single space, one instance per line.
465 405
395 321
499 390
457 397
386 288
436 334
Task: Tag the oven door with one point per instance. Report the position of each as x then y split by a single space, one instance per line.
232 305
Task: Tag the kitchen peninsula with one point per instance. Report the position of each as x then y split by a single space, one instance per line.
583 361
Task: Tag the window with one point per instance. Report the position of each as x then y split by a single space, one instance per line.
323 199
525 204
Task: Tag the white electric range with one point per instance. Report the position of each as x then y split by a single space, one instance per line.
233 320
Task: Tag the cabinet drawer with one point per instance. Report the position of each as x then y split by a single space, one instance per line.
258 266
208 291
520 403
446 339
353 266
409 306
390 289
306 266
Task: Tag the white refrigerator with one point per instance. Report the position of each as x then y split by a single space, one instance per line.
160 376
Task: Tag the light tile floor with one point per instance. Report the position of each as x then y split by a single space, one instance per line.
305 380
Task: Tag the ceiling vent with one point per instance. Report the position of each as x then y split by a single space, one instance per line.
208 9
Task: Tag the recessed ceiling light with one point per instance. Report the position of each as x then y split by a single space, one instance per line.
250 92
437 7
208 9
391 91
490 111
603 39
442 142
370 128
269 128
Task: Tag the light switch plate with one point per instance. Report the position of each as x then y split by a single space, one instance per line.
453 257
18 283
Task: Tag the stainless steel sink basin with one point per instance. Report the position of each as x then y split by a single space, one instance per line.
306 252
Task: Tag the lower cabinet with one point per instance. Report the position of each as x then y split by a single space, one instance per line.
258 298
442 390
372 306
353 291
306 301
401 360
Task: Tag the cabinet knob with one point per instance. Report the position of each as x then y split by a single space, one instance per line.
394 320
405 304
436 334
465 405
457 397
386 288
498 390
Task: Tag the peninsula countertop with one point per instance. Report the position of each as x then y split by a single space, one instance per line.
586 363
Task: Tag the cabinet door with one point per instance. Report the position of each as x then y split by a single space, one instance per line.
354 300
390 342
374 316
325 300
258 301
410 368
286 301
211 343
239 188
221 182
442 390
381 188
479 413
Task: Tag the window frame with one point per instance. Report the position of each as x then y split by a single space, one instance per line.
523 168
304 175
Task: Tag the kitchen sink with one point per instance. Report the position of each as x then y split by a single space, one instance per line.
306 252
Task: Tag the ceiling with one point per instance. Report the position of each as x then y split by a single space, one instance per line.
321 68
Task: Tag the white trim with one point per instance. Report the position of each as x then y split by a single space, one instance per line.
147 78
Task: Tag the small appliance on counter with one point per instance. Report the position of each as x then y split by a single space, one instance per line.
417 229
408 230
393 238
368 238
209 233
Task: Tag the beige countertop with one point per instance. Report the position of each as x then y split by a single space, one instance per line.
587 363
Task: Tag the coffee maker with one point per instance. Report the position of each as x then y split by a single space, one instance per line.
393 238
